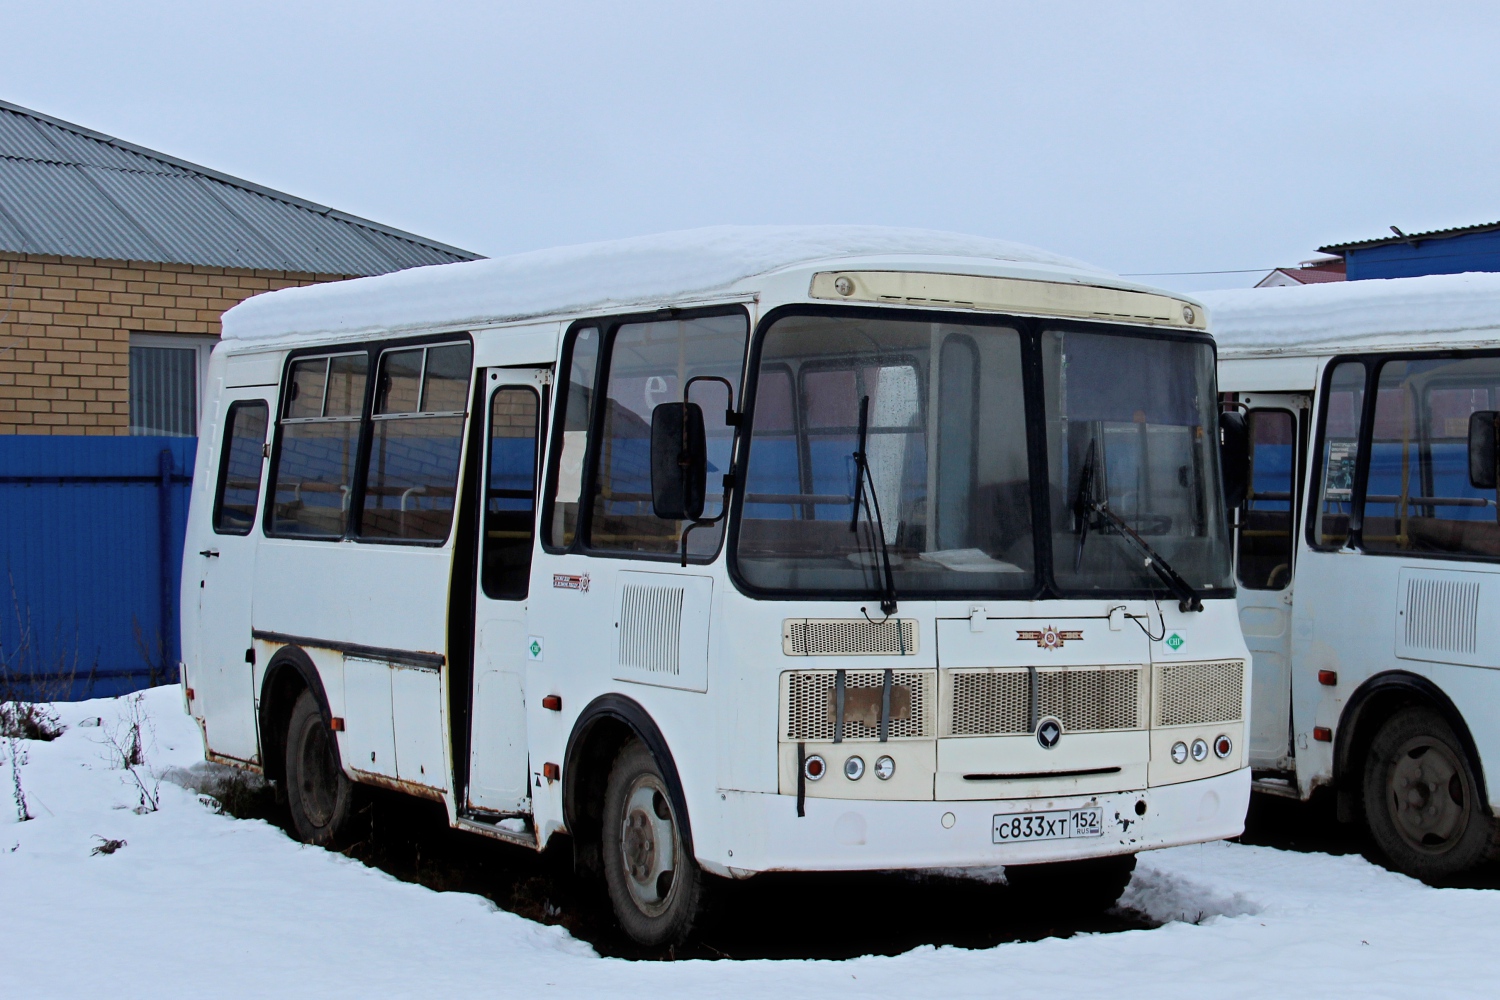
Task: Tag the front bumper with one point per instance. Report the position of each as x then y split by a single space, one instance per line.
762 832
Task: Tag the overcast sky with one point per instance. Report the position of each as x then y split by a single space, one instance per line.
1144 137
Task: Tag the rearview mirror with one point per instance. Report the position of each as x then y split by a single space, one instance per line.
1482 455
679 461
1234 456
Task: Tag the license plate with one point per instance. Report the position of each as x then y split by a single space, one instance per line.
1060 825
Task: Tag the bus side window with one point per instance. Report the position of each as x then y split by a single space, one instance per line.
510 493
421 396
1265 542
1342 405
320 425
240 467
1419 499
571 442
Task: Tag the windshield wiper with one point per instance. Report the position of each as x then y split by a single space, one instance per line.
861 473
1086 502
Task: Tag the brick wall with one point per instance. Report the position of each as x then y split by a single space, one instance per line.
65 326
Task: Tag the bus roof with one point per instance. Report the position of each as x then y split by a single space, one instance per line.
1438 310
626 273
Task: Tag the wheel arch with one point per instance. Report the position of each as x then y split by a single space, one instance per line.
1372 703
290 672
604 726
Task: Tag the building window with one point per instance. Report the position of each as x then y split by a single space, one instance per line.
166 384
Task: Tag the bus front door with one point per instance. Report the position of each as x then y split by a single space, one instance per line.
498 748
1264 561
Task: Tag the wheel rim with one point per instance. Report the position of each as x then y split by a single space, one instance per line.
648 845
1428 795
319 796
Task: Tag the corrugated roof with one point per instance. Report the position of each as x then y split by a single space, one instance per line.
1434 234
72 192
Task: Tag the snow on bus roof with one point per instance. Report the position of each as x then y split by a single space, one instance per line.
1436 309
606 275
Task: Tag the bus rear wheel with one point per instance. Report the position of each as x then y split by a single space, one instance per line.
654 884
319 796
1421 798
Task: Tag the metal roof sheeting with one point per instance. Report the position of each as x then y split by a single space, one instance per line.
1432 234
71 192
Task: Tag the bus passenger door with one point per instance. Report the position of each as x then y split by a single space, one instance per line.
1264 548
223 678
498 751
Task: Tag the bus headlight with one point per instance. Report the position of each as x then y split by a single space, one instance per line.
1179 752
854 768
1200 748
884 768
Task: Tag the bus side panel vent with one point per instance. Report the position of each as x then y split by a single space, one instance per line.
651 629
849 637
663 624
1195 694
1441 614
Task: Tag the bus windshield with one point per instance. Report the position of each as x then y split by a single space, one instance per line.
948 464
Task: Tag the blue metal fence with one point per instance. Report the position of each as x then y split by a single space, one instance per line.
91 534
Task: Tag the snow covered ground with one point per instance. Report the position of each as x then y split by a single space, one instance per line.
199 904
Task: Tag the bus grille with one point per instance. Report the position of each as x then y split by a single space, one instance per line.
1191 694
810 714
1084 699
848 637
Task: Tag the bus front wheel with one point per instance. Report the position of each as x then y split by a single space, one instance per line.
1421 798
655 885
319 796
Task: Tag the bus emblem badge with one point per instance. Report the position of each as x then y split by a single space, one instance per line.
1048 732
1049 637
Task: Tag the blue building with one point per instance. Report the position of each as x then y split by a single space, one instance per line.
1403 255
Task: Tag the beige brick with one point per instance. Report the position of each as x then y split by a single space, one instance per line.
61 270
80 369
42 281
15 392
47 367
66 406
92 295
146 312
34 380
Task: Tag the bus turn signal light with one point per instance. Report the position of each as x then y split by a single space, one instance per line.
336 724
552 702
551 772
1328 678
1322 734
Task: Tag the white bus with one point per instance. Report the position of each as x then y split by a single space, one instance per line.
729 551
1368 553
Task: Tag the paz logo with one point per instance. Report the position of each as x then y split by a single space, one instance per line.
1175 640
534 647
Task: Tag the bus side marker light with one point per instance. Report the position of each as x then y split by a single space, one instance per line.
551 772
190 694
552 702
1328 678
336 724
1322 734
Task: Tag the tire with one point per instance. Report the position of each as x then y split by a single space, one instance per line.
1090 885
319 796
654 884
1422 801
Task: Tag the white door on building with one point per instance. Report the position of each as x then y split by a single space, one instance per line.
498 765
222 679
1265 545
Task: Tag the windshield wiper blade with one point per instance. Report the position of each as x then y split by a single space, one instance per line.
861 473
1187 597
1081 503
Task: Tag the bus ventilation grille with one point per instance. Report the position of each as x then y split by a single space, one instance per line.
1084 699
1192 694
848 637
651 628
810 713
1442 615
